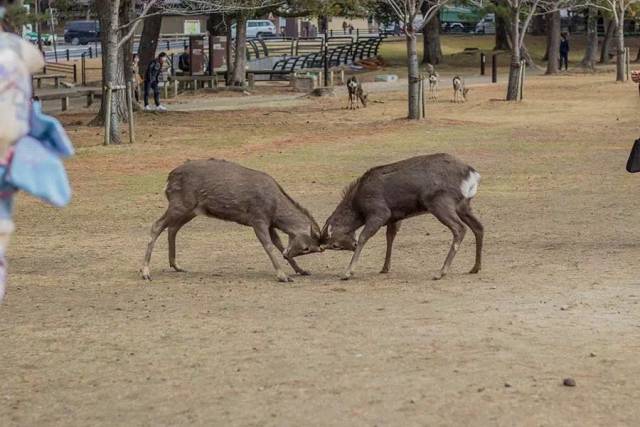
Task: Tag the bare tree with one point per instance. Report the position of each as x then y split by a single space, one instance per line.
591 49
617 9
553 41
414 17
114 37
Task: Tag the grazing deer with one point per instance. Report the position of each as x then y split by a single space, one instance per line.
438 184
228 191
433 81
459 91
354 87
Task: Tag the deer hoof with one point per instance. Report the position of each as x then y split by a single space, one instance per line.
145 274
439 276
304 273
284 278
346 276
384 271
475 270
178 269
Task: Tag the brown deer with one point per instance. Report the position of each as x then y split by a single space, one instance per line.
438 184
459 90
354 88
228 191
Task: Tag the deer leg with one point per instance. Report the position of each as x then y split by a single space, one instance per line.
392 230
370 228
262 232
445 211
172 232
466 215
156 229
276 241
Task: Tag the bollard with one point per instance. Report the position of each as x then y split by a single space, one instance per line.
168 45
75 73
483 60
90 52
494 68
67 54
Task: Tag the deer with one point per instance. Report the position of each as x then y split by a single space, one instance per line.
228 191
354 88
432 77
384 196
459 91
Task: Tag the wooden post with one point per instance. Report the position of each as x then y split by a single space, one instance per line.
627 63
483 60
494 68
424 112
251 78
107 118
130 111
523 66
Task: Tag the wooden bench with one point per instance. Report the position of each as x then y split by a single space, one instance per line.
174 81
65 94
55 77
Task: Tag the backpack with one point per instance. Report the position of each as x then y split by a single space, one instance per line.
633 164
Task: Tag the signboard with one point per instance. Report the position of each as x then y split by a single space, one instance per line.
196 54
192 26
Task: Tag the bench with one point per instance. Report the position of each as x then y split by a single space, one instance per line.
65 94
55 77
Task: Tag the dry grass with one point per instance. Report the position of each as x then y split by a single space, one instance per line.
83 341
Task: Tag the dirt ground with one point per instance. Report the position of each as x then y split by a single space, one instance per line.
84 341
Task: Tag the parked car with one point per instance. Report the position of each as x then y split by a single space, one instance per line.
487 25
453 27
257 28
47 39
82 32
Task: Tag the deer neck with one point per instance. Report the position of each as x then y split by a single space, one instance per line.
291 220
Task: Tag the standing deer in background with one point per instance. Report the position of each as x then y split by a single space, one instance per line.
227 191
433 81
459 91
354 87
438 184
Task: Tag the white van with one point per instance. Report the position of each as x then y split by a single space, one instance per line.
257 28
487 25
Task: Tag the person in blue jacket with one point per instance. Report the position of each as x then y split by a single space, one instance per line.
152 80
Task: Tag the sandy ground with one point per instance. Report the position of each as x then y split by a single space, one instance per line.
84 341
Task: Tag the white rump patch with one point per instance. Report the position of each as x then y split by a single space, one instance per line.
469 186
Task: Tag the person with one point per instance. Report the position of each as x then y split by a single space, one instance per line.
564 51
350 29
344 27
31 143
135 76
184 61
152 80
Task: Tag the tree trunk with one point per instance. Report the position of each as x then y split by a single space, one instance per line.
228 51
591 49
553 42
432 50
239 71
112 69
514 69
502 38
606 42
620 48
412 68
149 40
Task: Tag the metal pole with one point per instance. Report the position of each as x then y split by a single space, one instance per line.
130 111
53 32
494 69
483 60
424 110
523 66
